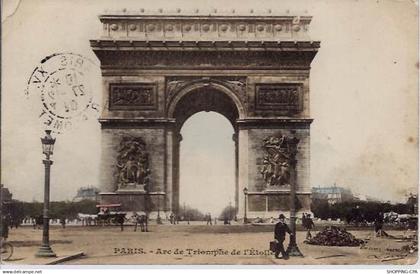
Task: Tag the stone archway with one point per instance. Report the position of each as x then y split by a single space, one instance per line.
158 70
203 95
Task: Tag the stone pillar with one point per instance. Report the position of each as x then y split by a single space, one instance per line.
132 196
235 139
176 143
243 169
169 169
266 200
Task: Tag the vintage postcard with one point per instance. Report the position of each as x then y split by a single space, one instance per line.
209 132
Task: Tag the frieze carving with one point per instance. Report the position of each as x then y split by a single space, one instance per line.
278 97
172 86
236 84
132 96
211 60
279 160
132 163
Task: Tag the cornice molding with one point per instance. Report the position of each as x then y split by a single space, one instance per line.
204 27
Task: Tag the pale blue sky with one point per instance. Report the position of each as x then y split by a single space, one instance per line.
207 171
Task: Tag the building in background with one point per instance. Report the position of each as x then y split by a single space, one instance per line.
6 196
86 193
332 194
412 203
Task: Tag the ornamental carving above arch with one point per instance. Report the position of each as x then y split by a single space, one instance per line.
236 84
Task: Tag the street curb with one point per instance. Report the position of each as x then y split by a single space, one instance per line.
66 258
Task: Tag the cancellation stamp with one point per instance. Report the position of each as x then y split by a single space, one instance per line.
62 83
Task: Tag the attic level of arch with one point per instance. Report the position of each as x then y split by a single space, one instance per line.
199 27
204 42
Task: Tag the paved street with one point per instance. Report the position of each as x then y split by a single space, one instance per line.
200 244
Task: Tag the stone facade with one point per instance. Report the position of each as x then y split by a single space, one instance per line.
158 70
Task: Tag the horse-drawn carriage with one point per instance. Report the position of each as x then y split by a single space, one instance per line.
109 214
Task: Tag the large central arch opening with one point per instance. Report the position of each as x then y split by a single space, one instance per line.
207 163
206 150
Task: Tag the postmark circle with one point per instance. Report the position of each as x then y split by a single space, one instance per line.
63 83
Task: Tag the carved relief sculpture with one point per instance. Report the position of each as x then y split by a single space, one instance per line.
133 96
278 97
279 160
132 163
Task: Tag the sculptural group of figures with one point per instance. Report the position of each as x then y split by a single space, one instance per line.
286 96
131 96
132 162
279 160
278 163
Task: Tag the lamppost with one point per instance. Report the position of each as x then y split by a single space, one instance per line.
245 198
158 220
146 201
47 149
293 249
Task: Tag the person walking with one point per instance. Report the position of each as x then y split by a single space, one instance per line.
63 222
135 219
280 234
378 225
120 218
4 226
309 225
208 220
144 223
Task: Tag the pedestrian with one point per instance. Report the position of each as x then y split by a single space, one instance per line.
309 225
304 220
4 227
143 223
63 222
120 218
171 218
279 234
135 218
39 221
378 225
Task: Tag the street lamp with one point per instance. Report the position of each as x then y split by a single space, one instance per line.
47 149
245 198
158 220
293 249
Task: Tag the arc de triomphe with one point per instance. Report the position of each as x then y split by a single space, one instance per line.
160 69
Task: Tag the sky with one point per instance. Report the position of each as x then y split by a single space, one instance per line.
207 179
364 97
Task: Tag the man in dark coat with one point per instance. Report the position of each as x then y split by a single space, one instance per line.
119 219
309 225
378 224
280 234
4 226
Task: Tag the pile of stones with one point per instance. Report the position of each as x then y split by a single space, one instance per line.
411 248
334 236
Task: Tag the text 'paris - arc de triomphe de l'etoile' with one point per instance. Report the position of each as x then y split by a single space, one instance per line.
159 69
